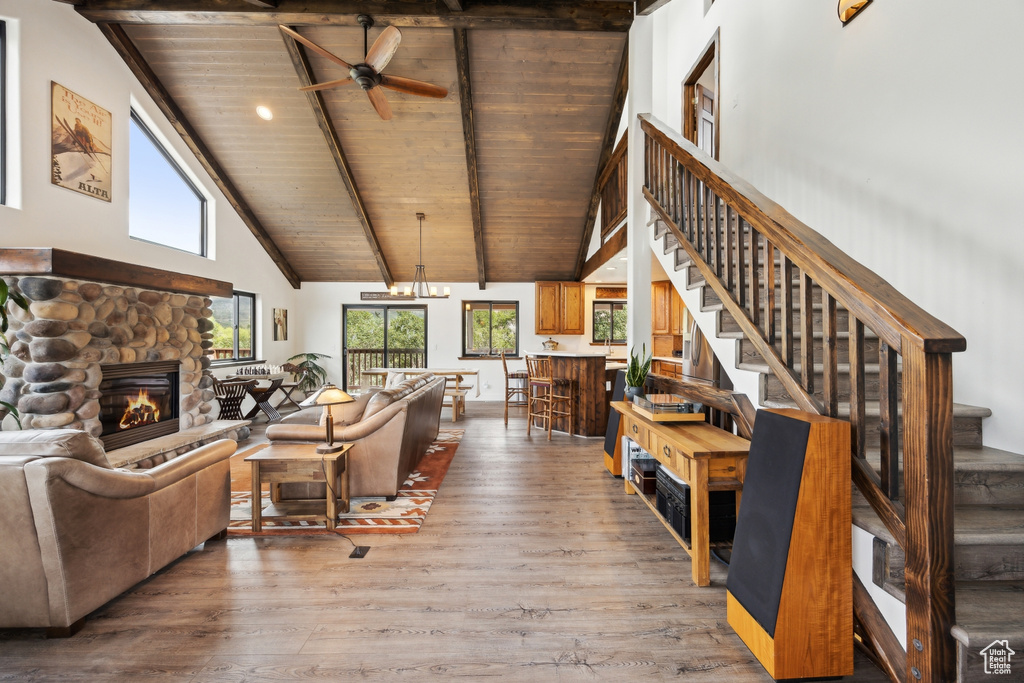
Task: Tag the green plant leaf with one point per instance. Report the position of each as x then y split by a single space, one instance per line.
13 411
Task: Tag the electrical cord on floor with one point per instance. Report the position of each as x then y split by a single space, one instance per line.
358 551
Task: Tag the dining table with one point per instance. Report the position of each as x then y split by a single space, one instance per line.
456 376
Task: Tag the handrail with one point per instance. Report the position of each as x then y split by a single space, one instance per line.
870 295
754 254
614 189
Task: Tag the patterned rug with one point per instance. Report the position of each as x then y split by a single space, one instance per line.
404 515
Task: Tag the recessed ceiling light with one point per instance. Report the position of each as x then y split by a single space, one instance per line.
611 268
598 280
623 258
264 113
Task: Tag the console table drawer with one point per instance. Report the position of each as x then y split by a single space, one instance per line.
639 433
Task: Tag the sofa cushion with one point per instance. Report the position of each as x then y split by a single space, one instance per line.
378 402
53 443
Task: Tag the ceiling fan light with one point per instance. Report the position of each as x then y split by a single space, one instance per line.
264 112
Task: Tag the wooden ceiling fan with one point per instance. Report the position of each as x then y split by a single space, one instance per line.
368 73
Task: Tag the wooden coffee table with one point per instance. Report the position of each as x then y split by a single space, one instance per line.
299 462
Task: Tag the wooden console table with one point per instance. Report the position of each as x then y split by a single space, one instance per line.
705 457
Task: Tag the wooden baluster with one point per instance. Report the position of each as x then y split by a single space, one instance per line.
742 245
698 223
888 422
857 393
709 246
729 242
674 212
769 291
807 333
719 247
753 282
687 225
787 311
830 357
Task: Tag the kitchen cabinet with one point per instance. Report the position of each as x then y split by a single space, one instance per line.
559 308
676 313
661 303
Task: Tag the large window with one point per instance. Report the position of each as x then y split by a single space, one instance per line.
233 327
3 112
610 322
164 205
490 327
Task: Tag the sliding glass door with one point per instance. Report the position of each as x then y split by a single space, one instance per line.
381 337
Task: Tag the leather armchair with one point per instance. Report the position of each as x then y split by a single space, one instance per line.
77 533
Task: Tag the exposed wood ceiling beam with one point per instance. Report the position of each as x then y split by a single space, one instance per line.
147 77
469 132
616 243
552 15
266 4
455 5
645 7
610 130
316 102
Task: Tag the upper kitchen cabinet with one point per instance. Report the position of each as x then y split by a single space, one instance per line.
559 308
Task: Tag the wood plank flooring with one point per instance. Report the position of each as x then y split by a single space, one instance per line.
532 566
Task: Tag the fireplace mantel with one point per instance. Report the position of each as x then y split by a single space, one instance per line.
69 264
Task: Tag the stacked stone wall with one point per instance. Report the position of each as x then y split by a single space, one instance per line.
72 328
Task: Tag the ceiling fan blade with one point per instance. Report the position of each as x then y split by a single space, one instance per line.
379 102
413 87
327 84
314 47
383 49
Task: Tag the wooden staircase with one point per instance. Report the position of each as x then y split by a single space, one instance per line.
716 232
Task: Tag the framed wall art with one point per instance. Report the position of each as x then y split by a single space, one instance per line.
280 324
80 142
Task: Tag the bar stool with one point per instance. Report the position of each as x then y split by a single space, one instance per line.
517 392
556 396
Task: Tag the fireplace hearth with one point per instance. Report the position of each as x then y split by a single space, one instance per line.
138 402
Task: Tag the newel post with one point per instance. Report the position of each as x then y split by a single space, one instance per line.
928 476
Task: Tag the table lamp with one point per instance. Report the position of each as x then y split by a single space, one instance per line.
328 395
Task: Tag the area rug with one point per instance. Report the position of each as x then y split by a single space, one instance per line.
404 515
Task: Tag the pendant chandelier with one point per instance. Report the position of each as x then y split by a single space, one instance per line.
420 288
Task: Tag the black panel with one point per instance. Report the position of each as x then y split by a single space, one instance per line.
765 523
618 392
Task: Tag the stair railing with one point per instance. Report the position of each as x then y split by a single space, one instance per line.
751 251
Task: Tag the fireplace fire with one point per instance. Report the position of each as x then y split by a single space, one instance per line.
140 411
138 402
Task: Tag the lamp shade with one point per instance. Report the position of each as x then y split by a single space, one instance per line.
327 395
848 9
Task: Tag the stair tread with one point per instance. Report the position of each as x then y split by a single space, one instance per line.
988 611
972 525
972 459
871 409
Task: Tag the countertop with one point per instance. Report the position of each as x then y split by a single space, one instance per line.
670 359
568 354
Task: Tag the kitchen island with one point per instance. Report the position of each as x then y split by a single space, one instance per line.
591 407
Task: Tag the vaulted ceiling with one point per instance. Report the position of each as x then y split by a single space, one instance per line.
504 167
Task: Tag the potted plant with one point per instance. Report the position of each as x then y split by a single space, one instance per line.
311 374
8 295
636 372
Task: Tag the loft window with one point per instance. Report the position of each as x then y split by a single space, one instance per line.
490 327
233 327
610 322
164 205
3 112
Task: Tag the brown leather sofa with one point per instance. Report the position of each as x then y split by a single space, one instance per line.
390 429
76 533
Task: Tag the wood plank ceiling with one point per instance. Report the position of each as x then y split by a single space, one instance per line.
542 89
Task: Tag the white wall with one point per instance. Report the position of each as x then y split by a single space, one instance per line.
898 137
317 321
55 44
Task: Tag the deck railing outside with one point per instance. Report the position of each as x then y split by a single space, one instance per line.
794 294
358 360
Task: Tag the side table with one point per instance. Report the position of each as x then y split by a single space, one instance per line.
297 462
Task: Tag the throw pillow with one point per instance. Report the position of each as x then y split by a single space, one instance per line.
393 379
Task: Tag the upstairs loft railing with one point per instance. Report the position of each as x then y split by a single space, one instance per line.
614 189
358 360
783 282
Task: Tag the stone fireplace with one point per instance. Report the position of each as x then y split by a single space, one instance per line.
74 330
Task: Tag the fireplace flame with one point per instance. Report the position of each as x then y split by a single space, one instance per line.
140 411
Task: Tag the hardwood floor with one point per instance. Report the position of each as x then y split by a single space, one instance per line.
531 566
